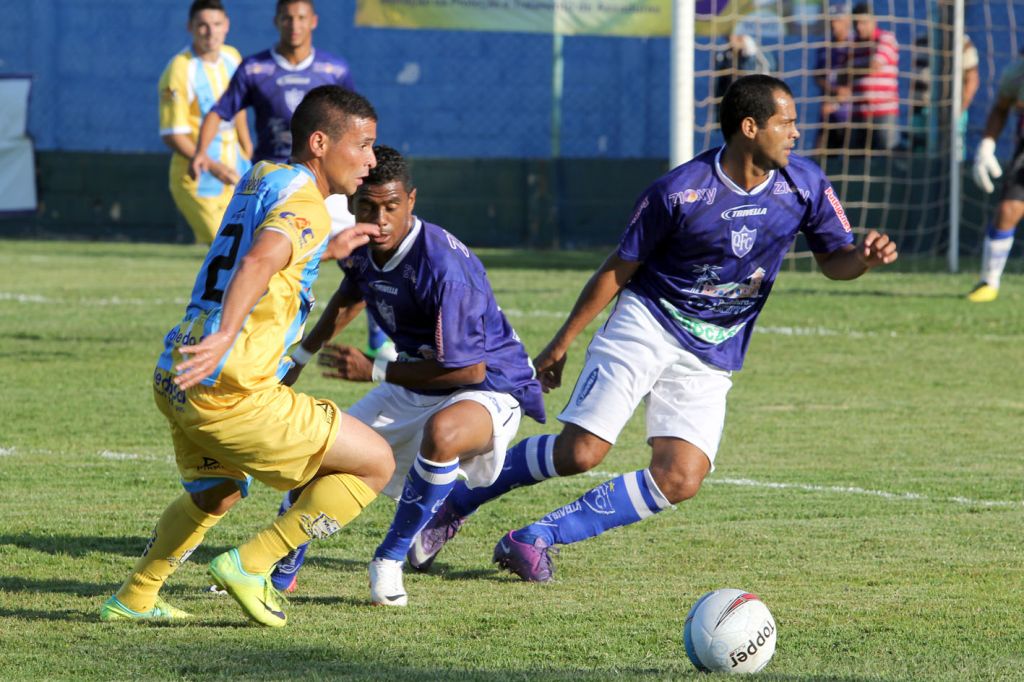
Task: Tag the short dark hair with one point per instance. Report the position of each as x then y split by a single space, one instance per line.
861 8
327 108
750 96
391 167
285 3
200 5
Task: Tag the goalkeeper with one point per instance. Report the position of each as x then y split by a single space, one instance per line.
1009 211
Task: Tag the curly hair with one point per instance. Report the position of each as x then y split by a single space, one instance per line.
391 166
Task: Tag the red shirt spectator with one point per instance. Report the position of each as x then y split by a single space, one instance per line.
876 71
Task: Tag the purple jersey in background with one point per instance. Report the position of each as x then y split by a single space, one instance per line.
434 300
273 87
710 251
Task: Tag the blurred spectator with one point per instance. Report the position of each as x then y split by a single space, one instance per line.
832 69
921 128
741 56
875 69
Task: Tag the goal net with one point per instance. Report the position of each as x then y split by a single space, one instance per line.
874 89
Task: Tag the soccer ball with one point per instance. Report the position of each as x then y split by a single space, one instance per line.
729 631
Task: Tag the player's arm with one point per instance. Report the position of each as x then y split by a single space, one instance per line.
207 131
340 311
603 286
351 364
180 143
850 262
270 253
242 131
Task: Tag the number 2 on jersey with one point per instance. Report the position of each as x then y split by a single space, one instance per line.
222 262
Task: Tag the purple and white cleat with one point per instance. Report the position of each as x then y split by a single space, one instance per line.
531 562
441 528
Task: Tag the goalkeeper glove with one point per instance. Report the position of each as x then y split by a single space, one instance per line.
986 166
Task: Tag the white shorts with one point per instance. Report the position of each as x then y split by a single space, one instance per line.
633 358
341 217
399 415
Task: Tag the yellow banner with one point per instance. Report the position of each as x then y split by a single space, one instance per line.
568 17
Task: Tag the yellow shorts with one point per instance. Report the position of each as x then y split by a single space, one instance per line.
203 214
276 435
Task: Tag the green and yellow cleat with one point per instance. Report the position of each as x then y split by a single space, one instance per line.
254 593
113 609
983 293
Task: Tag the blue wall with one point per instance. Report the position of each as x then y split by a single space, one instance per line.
440 94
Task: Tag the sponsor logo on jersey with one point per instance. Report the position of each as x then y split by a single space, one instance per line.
743 240
256 68
292 79
639 211
705 331
457 245
306 236
384 287
830 194
782 187
328 67
745 211
692 196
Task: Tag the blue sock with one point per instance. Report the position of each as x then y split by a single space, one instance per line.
375 336
529 461
426 486
621 501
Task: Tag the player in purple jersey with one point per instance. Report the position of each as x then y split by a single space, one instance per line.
692 272
454 399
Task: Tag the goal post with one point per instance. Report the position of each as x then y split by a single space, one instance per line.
900 174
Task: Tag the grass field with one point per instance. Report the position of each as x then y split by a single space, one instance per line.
870 488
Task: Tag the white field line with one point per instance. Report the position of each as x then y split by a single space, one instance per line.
36 299
127 456
843 490
6 451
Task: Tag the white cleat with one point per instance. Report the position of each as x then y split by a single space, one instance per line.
386 588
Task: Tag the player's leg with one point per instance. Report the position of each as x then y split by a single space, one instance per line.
203 214
685 416
999 239
178 532
459 431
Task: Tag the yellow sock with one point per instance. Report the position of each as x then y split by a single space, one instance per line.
178 532
324 507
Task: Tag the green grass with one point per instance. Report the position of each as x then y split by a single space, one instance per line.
869 489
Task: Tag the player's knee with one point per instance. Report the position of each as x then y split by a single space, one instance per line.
442 437
577 451
382 468
217 500
677 483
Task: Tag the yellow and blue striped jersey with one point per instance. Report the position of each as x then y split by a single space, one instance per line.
189 88
278 197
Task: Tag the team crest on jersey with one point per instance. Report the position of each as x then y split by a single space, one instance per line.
743 240
387 314
292 98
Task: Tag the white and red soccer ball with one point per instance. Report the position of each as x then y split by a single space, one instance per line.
729 631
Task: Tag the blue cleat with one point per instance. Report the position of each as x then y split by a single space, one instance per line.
285 573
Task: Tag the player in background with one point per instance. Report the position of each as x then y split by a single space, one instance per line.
1010 210
692 272
189 87
273 82
218 381
455 398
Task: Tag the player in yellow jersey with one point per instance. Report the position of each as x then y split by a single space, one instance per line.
218 380
190 85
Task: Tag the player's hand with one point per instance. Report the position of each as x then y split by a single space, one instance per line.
348 240
549 365
202 359
199 164
877 249
345 362
986 165
226 174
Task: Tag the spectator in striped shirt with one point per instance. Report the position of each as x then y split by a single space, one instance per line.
875 65
833 77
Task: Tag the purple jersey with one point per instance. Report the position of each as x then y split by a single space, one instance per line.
273 87
434 300
710 251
